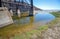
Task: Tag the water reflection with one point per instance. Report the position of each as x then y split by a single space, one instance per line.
24 20
43 17
39 17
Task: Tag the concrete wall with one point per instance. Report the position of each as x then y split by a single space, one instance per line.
5 17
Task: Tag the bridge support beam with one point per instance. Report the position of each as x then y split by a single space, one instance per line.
11 12
18 13
0 3
31 8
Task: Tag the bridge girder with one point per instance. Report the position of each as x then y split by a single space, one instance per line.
7 1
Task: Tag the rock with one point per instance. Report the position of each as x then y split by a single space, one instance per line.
34 36
52 33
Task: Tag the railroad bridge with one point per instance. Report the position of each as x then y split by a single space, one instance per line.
17 6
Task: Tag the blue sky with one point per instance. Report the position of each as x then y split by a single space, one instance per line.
47 4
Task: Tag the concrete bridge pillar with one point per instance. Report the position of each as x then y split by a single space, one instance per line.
0 3
31 8
11 12
18 13
5 17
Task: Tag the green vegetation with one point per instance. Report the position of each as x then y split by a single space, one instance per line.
28 35
23 14
15 17
56 14
56 21
16 33
40 29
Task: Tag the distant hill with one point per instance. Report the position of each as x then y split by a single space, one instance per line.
36 8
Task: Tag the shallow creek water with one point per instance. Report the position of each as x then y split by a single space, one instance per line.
27 23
